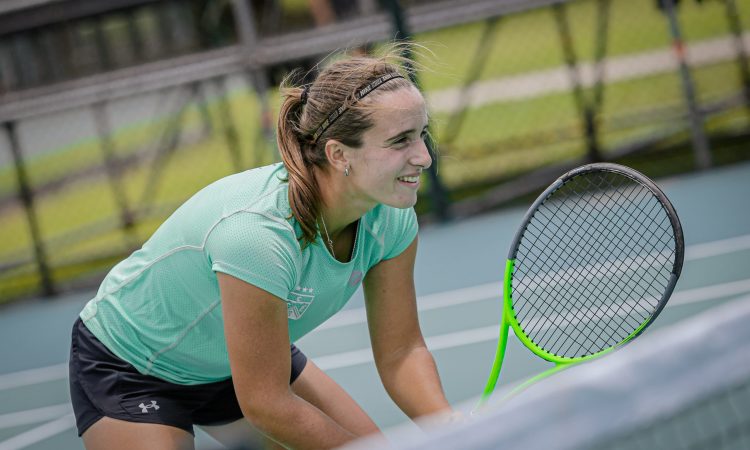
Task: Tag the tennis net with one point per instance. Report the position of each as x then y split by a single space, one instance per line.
686 386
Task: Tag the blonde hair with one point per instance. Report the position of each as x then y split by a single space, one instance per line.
335 86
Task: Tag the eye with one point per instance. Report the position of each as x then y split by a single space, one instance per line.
401 142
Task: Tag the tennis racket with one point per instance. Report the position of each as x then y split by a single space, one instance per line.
594 262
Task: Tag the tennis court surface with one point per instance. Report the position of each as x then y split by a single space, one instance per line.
459 279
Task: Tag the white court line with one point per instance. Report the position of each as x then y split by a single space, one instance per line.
717 248
441 342
338 361
424 303
33 376
477 335
33 415
706 293
491 333
39 433
457 297
494 290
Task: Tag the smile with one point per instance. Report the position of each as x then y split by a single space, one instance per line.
412 179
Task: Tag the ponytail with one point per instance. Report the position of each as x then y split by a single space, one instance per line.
304 193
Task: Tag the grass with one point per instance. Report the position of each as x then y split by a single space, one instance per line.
475 158
634 26
497 141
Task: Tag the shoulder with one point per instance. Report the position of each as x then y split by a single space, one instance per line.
261 187
255 197
256 212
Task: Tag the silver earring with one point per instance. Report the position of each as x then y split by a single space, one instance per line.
346 171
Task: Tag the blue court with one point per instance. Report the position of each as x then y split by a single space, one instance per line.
459 278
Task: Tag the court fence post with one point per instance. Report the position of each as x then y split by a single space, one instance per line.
228 128
588 110
455 121
701 148
258 77
733 19
112 168
27 199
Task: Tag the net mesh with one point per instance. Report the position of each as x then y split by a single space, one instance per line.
686 386
718 420
592 264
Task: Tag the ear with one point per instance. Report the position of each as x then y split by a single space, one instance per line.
337 155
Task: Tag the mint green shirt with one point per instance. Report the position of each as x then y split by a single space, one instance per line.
160 309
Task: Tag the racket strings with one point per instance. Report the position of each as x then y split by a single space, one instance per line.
544 324
592 264
589 256
630 262
578 311
599 333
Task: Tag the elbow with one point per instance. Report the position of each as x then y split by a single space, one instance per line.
254 413
391 365
394 357
264 410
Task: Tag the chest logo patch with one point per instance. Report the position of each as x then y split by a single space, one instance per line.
299 300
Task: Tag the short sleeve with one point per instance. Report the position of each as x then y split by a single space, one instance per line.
257 249
400 231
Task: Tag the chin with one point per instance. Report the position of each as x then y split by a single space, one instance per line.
402 203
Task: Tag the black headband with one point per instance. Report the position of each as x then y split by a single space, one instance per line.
357 97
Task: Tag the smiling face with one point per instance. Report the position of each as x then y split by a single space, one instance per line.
386 168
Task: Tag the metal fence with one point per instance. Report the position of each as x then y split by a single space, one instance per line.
113 113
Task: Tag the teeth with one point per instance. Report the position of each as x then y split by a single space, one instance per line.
409 179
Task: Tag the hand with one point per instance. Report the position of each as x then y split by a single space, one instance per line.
449 417
455 417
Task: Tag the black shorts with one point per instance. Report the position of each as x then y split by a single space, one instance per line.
101 384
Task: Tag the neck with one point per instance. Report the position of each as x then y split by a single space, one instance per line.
339 207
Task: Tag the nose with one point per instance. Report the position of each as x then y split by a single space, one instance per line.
422 155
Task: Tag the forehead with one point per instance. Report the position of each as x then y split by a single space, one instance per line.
399 109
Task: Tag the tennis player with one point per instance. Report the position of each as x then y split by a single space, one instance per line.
198 326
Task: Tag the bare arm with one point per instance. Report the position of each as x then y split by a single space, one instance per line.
255 325
405 365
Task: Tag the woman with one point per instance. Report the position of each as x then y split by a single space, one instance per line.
195 327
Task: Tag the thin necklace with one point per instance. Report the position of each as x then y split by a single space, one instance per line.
330 242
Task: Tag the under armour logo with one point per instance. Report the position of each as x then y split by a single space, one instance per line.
145 408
